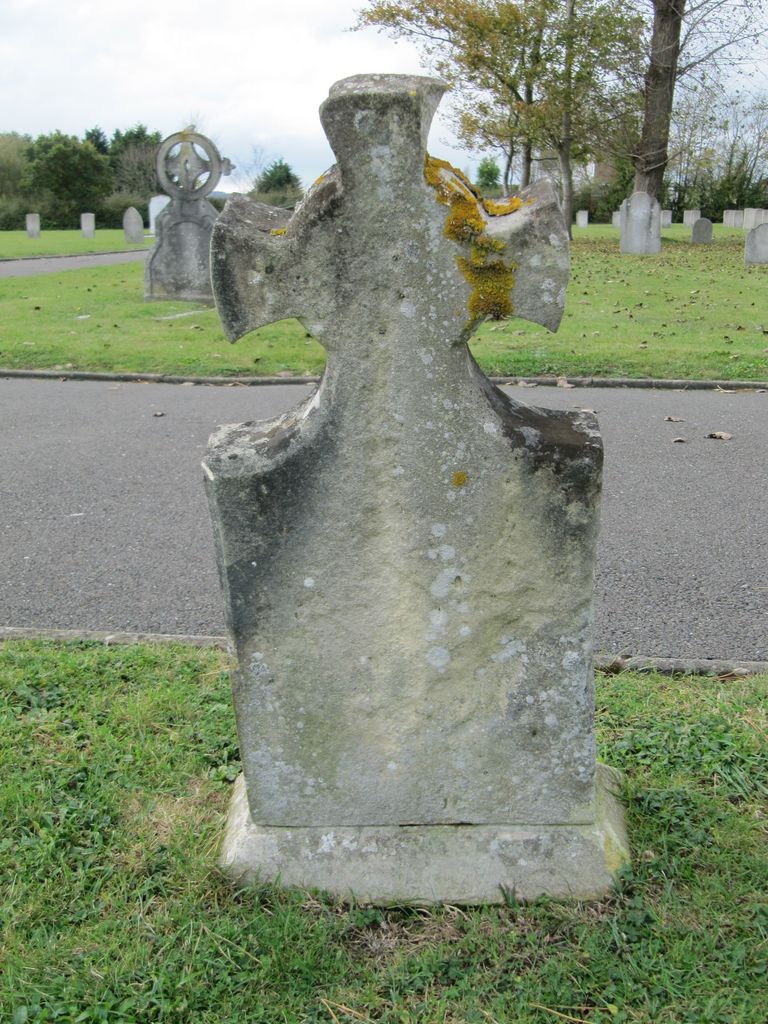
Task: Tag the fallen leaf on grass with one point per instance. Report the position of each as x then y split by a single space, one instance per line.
720 435
674 419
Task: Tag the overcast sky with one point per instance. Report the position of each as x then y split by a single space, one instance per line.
248 74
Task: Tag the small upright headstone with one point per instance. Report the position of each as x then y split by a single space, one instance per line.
756 249
156 205
750 218
640 225
690 217
414 691
616 218
701 232
666 218
133 226
737 218
88 225
33 225
582 218
189 167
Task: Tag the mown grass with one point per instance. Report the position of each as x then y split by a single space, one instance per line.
116 765
691 312
16 245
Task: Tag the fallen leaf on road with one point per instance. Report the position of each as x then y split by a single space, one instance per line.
674 419
726 391
158 414
679 440
527 384
720 435
562 382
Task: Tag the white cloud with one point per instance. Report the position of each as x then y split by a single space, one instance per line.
247 74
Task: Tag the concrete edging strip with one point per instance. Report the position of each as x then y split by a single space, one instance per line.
576 382
610 664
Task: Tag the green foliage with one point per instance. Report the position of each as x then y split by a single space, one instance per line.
115 769
13 163
488 173
132 156
98 140
72 173
111 210
277 177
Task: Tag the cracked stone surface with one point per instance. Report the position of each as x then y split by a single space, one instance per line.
407 557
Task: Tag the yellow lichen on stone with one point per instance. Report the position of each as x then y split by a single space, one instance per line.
459 478
501 208
277 231
491 278
492 285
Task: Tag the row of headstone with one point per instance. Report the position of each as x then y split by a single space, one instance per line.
666 218
133 225
753 218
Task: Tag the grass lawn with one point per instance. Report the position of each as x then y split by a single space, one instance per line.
691 312
116 767
16 245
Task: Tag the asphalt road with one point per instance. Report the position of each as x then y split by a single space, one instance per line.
104 525
55 264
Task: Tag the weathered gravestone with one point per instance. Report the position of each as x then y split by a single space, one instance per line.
582 218
156 205
640 225
407 557
616 218
133 226
701 232
690 217
733 218
33 225
666 218
88 225
752 217
756 248
189 167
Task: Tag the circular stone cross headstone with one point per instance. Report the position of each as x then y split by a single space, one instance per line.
189 165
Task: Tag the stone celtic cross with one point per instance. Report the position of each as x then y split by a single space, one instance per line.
407 557
189 167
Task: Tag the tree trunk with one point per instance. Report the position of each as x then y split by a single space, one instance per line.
650 160
566 173
525 177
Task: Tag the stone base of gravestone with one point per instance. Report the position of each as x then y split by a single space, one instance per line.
701 232
756 248
33 225
582 218
133 226
88 225
640 225
465 864
179 264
